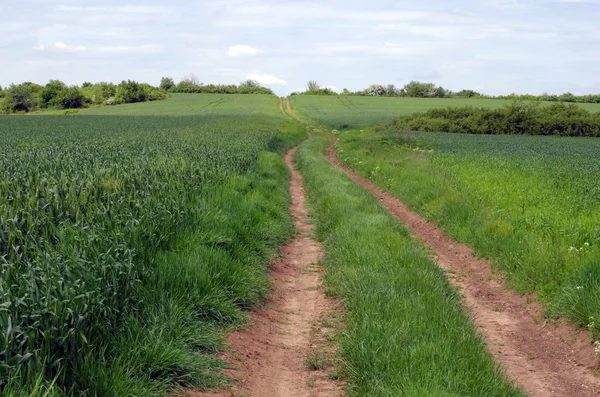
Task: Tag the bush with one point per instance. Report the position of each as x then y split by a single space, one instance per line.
516 118
246 87
167 84
130 92
51 92
70 98
21 98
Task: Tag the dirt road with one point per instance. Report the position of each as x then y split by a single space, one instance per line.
545 359
272 357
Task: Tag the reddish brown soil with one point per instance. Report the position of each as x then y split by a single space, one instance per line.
268 359
545 359
289 108
281 106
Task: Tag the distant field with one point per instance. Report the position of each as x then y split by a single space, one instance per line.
233 105
350 112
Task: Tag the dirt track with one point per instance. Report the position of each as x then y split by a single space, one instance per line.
545 359
268 358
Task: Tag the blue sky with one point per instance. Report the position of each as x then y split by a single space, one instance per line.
493 46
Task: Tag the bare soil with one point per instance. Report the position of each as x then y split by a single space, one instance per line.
291 112
273 356
281 106
545 358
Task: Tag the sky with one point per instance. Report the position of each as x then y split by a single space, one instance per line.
492 46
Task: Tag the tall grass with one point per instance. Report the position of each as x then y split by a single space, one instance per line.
406 334
530 203
125 242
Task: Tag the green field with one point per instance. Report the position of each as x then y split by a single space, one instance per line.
405 334
530 203
127 241
132 236
225 106
355 112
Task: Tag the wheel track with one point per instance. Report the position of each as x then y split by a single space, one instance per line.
545 359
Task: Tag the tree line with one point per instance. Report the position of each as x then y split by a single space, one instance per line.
29 97
416 89
192 85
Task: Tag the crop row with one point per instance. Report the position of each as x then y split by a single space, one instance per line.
86 203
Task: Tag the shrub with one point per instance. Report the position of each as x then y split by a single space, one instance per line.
167 83
515 118
21 98
50 93
70 98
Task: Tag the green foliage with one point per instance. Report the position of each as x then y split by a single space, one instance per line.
125 241
167 84
515 118
21 98
313 88
49 95
70 98
130 92
406 334
250 83
247 87
57 94
102 91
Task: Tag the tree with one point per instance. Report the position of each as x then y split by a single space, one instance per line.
21 98
312 86
167 83
51 92
130 92
70 98
375 90
192 80
250 83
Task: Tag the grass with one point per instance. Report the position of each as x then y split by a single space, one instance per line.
530 203
405 334
354 112
127 243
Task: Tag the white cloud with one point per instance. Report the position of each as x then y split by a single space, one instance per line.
124 49
59 45
241 50
266 79
120 9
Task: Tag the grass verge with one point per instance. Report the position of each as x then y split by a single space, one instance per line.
530 203
406 334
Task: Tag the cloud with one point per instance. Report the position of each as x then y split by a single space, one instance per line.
133 9
59 45
243 51
266 79
125 49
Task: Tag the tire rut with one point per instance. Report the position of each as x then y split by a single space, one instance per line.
269 357
545 359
